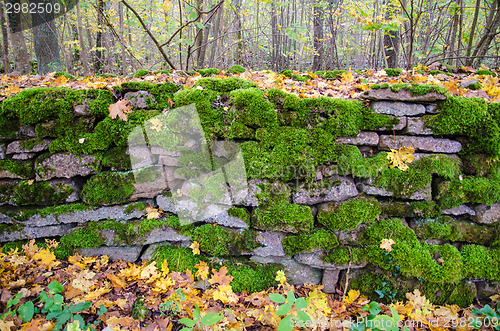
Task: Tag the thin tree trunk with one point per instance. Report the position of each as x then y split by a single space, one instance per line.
217 27
391 38
469 60
45 42
123 65
5 48
98 41
19 49
317 35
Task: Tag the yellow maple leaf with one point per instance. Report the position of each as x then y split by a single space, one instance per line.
152 213
280 277
225 294
61 80
195 246
155 124
163 285
401 157
149 272
347 77
419 302
351 296
387 244
203 270
84 281
45 258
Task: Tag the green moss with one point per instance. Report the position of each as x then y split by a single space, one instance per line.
253 109
307 242
481 262
350 161
85 237
41 193
107 188
418 175
220 241
23 169
236 69
335 74
24 214
134 206
485 72
425 209
467 117
449 229
65 74
164 72
474 189
319 73
240 213
225 85
179 259
475 86
116 159
11 227
62 252
344 255
208 72
437 72
276 212
409 257
348 215
301 78
252 277
161 92
140 73
287 73
415 89
393 72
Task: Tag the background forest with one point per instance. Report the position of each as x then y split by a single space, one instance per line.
110 36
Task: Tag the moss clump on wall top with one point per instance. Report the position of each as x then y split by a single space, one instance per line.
309 241
23 169
107 188
161 92
415 89
236 69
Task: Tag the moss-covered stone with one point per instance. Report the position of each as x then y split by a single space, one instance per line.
467 117
485 72
240 213
350 161
415 89
418 175
393 72
208 72
348 215
224 85
253 109
23 214
333 74
219 241
344 255
447 228
161 92
425 209
481 262
178 259
23 169
474 189
107 188
85 237
251 277
236 69
276 212
307 242
116 159
41 193
140 73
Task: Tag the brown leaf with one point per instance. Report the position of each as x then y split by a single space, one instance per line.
220 277
119 109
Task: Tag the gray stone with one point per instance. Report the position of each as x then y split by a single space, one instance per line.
400 126
468 82
81 110
426 144
351 237
140 157
15 147
75 195
249 199
418 156
4 219
149 189
296 273
315 260
127 253
402 95
27 131
35 232
460 210
155 236
273 244
23 156
169 160
415 126
335 189
227 220
166 204
138 99
2 152
7 174
65 165
148 253
363 138
431 109
396 108
330 280
487 214
486 289
366 186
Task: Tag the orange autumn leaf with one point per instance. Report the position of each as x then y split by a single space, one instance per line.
119 109
220 277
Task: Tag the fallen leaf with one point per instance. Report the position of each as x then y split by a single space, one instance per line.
119 109
387 244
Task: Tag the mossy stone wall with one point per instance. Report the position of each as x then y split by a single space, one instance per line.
321 195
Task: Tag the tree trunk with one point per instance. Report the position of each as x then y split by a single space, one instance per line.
469 60
5 48
489 33
45 42
19 50
98 41
216 33
83 49
391 38
121 29
317 36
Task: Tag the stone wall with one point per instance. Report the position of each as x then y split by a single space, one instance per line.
321 195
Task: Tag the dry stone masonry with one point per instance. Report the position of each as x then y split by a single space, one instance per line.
321 195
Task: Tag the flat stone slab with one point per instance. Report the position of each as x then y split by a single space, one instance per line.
415 126
296 273
138 99
155 236
330 280
227 220
487 214
460 210
15 147
23 156
64 165
363 138
366 186
337 188
83 216
273 244
426 144
36 232
127 253
314 260
402 95
396 127
2 152
396 108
